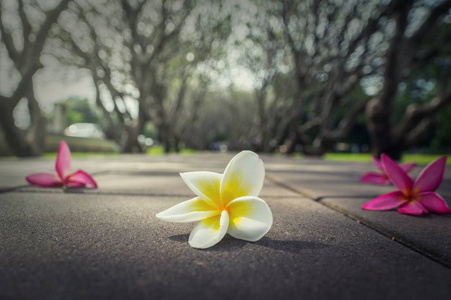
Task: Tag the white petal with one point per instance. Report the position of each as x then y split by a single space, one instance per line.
250 218
243 176
209 231
188 211
204 184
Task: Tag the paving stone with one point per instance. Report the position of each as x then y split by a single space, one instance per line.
14 171
72 246
320 178
131 174
170 184
431 234
337 185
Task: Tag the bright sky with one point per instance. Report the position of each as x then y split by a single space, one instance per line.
51 91
49 86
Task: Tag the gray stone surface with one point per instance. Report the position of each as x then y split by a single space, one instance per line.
128 174
336 185
107 243
14 171
70 246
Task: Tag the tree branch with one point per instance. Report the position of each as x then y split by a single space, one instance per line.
430 21
417 113
346 123
51 17
26 27
7 39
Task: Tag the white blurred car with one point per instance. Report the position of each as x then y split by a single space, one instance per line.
87 130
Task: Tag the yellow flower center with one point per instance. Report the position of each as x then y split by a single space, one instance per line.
411 195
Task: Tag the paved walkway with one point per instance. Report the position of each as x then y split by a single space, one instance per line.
107 243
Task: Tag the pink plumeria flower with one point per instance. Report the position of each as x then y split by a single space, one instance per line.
382 178
62 178
414 197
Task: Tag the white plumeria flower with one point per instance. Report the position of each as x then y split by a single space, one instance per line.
225 203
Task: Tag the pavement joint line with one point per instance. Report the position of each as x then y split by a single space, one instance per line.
290 188
11 189
366 223
101 172
86 192
399 240
348 196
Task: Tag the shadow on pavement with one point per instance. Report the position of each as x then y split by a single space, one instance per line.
228 243
289 246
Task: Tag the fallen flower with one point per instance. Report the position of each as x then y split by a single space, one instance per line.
382 178
413 197
62 178
225 203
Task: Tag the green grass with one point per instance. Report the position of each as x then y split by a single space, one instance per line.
420 159
355 157
159 150
424 159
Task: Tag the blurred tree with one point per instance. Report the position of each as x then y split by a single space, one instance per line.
419 39
204 122
97 45
335 52
266 55
137 60
195 56
24 29
441 143
419 89
333 46
308 58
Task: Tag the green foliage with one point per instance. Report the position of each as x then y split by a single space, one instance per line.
420 89
420 159
441 140
79 110
159 150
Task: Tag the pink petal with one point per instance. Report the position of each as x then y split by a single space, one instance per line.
413 208
44 179
372 177
397 175
385 202
63 160
79 179
434 203
378 164
407 167
431 176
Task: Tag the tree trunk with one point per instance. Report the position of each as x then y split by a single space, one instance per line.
37 130
314 151
292 140
129 139
379 127
13 135
164 137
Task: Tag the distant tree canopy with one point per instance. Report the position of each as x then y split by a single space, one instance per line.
270 75
80 110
